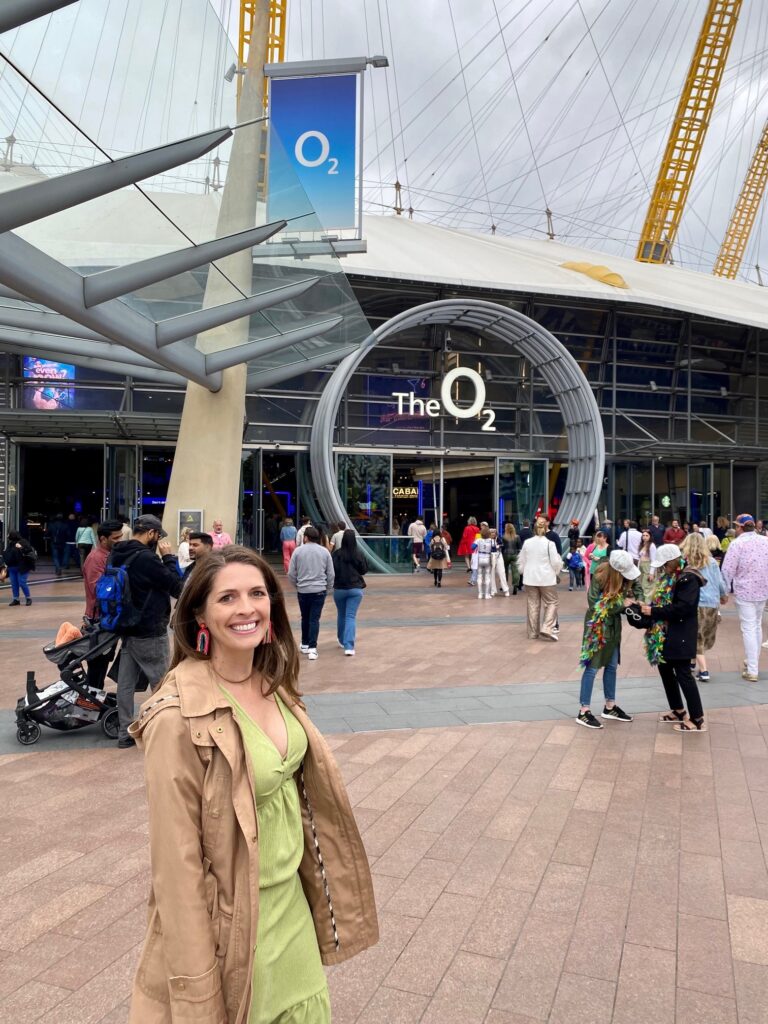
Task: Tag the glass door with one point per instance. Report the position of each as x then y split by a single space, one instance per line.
522 490
700 500
121 483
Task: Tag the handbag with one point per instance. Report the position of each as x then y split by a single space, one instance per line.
637 618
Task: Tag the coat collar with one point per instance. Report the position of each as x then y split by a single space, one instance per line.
199 691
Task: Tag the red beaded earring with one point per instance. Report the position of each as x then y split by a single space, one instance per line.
203 642
269 634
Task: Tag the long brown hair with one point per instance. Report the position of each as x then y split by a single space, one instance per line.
277 662
611 581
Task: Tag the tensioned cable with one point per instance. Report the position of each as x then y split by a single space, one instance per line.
540 98
373 98
522 109
398 108
389 102
471 115
453 78
461 137
613 97
112 72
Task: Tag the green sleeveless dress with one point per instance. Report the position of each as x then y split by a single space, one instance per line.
289 984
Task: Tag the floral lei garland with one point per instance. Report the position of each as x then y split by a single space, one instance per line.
594 633
662 596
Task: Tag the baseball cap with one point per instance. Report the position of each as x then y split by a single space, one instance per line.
665 553
744 518
622 562
148 522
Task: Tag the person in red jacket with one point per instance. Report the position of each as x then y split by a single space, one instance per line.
673 533
467 540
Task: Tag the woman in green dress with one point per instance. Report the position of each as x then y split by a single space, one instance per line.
259 876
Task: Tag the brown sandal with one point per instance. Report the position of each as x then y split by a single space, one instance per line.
692 725
670 717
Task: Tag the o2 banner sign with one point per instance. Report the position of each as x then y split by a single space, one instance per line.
313 153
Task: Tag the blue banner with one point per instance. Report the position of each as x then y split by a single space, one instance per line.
313 151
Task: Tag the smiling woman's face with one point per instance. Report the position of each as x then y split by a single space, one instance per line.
237 611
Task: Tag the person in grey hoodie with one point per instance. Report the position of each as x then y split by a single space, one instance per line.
311 572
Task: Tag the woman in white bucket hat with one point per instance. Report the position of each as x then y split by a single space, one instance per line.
614 584
670 643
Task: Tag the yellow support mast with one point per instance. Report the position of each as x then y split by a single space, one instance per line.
745 212
278 21
689 128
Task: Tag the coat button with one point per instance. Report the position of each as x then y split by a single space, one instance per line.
198 734
182 986
254 839
219 729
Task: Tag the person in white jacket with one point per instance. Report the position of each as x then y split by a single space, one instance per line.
540 564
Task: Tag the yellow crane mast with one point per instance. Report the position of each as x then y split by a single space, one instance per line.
743 217
278 19
689 129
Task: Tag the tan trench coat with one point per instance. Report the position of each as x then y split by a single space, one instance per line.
197 960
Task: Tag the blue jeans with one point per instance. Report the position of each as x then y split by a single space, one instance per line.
311 607
609 681
59 552
347 603
18 579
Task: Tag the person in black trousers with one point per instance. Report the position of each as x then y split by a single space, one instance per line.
671 641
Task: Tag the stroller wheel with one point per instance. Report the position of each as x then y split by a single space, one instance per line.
28 733
109 724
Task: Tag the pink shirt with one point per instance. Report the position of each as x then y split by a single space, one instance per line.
220 540
746 566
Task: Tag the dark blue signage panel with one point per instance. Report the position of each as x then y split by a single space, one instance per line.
313 151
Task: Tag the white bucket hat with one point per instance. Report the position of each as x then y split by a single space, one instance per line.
622 562
666 553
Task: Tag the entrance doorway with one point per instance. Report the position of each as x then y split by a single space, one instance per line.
269 495
64 479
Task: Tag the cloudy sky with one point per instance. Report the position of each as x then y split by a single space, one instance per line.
492 110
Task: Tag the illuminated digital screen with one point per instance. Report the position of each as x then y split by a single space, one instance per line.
49 390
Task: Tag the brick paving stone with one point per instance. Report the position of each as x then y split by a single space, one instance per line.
29 1003
697 1008
704 960
751 992
748 922
702 889
597 940
498 923
744 869
646 990
581 1000
390 1006
434 944
465 992
531 978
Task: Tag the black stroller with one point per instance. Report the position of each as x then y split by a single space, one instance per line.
71 702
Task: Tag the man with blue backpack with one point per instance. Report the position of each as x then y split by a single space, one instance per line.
134 597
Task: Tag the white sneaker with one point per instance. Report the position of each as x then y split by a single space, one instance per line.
304 649
312 654
350 653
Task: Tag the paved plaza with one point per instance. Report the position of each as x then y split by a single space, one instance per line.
527 870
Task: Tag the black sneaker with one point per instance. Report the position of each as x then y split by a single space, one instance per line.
127 743
616 713
13 603
588 719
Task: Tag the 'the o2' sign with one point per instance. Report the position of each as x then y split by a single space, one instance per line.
432 407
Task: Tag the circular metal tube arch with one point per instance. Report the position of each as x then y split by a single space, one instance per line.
558 368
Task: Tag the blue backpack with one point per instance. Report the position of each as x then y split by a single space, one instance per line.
117 612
